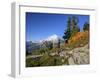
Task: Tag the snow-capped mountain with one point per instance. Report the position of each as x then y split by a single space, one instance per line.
53 38
34 45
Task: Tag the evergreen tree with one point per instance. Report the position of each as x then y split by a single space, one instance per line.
50 45
86 26
59 43
74 24
67 32
72 28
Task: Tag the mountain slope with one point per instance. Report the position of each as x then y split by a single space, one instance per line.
79 39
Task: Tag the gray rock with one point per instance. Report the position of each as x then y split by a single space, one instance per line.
78 55
71 61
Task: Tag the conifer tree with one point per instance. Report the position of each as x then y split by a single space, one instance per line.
86 26
67 32
72 28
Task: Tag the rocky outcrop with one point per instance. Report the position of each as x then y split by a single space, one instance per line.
77 56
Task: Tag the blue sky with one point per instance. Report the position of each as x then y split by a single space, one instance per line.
40 26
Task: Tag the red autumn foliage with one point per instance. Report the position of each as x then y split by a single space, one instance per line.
79 39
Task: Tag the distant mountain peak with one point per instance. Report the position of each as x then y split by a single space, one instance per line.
52 37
